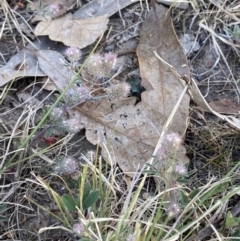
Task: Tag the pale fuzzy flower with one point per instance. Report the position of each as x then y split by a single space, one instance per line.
72 125
100 66
73 54
94 67
56 113
96 60
118 91
173 210
131 237
77 94
180 169
110 59
66 166
53 9
173 139
78 228
161 153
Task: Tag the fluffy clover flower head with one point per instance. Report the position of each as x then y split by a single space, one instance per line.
73 54
131 237
72 125
173 139
56 114
100 66
110 59
78 228
180 169
173 209
54 9
66 166
96 59
162 153
94 66
118 91
77 94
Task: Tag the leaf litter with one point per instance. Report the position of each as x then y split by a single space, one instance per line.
118 127
80 30
23 64
73 32
163 87
98 8
52 64
128 132
50 9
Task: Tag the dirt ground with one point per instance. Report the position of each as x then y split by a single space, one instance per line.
213 146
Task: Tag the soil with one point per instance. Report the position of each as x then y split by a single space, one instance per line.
213 148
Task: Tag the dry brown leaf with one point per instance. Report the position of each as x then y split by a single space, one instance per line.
128 181
23 64
52 64
225 106
199 100
128 133
47 83
73 32
98 8
50 8
175 4
163 86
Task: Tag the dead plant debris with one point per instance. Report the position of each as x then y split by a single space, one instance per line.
119 120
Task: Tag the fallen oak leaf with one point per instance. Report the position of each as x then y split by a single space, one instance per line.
73 32
98 8
200 101
52 64
127 133
163 86
225 106
181 5
23 64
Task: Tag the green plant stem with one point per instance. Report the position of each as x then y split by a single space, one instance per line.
81 188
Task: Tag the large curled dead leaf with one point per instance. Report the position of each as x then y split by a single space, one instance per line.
199 100
23 64
98 8
128 132
52 64
163 86
181 5
73 32
225 106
